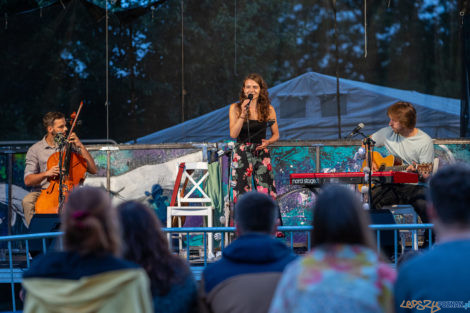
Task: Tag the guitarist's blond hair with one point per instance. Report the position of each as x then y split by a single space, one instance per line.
404 112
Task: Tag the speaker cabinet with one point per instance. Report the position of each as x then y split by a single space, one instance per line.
384 216
43 223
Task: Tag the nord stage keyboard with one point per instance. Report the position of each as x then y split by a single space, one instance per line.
319 179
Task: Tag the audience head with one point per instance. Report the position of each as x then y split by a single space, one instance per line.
90 222
449 196
338 217
255 212
146 244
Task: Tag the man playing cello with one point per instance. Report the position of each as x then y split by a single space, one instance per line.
36 173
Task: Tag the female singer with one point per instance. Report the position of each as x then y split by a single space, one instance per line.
249 118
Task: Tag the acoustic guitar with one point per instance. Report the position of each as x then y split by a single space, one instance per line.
392 163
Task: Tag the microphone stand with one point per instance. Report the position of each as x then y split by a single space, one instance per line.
369 142
61 175
61 143
248 122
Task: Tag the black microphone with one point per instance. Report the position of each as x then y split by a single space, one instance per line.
59 139
356 130
250 96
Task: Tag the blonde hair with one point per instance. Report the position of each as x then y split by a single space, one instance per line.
404 112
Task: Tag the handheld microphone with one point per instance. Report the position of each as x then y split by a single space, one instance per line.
356 130
250 96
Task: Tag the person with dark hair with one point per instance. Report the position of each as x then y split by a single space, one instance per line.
172 284
36 173
245 278
441 275
88 276
248 123
342 272
412 146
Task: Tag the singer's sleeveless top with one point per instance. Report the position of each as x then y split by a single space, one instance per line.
257 132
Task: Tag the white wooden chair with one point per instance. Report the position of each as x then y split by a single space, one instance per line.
194 202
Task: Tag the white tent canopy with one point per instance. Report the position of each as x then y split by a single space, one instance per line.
306 110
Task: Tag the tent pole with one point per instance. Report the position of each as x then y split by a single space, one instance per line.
182 61
464 6
338 100
107 71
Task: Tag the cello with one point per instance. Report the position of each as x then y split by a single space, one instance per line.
72 172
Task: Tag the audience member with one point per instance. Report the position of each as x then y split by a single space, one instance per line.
245 279
88 276
342 272
172 283
441 275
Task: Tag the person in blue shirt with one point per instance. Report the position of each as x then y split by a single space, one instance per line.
439 278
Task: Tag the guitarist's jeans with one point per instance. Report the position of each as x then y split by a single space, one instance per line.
390 194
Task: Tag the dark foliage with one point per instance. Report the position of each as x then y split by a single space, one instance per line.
52 58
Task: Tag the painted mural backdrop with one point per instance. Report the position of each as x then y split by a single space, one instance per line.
148 175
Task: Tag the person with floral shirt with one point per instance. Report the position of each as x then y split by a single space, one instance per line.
342 272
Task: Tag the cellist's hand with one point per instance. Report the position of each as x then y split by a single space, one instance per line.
75 141
52 172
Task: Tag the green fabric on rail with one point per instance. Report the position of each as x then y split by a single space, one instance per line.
214 190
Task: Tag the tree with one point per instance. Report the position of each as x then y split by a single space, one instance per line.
55 56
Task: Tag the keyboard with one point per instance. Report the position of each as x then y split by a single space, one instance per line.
319 179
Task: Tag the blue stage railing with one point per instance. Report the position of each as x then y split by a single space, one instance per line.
12 274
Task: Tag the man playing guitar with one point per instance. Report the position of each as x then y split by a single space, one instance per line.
411 145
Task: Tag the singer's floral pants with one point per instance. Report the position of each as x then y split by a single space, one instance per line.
249 165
